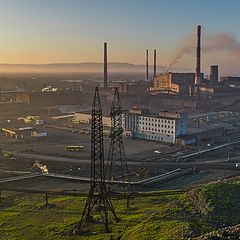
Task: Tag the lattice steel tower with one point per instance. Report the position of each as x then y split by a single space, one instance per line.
98 195
117 164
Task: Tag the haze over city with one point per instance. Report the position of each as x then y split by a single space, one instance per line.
61 31
119 120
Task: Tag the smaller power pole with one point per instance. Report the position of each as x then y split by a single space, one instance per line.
118 169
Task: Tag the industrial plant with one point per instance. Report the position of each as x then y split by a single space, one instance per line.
109 138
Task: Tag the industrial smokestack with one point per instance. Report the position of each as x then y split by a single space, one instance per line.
198 62
155 63
198 67
105 66
147 65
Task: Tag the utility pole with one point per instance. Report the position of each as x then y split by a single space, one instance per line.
117 164
98 196
228 151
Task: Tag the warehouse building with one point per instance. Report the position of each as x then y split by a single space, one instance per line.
165 127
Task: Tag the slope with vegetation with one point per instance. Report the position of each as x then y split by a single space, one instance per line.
162 215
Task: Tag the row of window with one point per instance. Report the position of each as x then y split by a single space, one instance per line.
151 137
157 130
157 125
156 120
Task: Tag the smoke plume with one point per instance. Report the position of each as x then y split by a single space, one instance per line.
211 42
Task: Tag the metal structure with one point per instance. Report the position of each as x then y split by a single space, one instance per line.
105 66
154 63
118 169
147 79
198 62
98 196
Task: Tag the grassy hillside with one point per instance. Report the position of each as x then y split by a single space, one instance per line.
168 215
219 202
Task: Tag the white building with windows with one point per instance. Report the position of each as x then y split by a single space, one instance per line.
165 127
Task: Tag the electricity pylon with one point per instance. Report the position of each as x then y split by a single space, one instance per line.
98 196
117 164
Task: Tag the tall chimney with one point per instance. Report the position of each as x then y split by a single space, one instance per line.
105 66
155 63
198 62
147 65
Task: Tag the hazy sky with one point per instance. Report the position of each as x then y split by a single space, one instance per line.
44 31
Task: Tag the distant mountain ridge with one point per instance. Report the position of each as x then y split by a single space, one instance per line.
82 67
75 67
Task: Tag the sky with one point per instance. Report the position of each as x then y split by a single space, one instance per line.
50 31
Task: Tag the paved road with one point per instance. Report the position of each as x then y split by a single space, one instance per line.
168 166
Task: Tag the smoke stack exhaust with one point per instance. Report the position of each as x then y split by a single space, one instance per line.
198 62
147 65
155 63
105 66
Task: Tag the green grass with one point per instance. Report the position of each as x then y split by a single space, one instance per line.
160 215
221 202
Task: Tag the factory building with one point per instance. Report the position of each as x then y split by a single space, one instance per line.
165 127
214 75
178 83
171 103
20 133
221 90
87 118
233 82
133 88
49 98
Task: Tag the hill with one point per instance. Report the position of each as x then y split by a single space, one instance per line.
73 67
84 67
159 215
